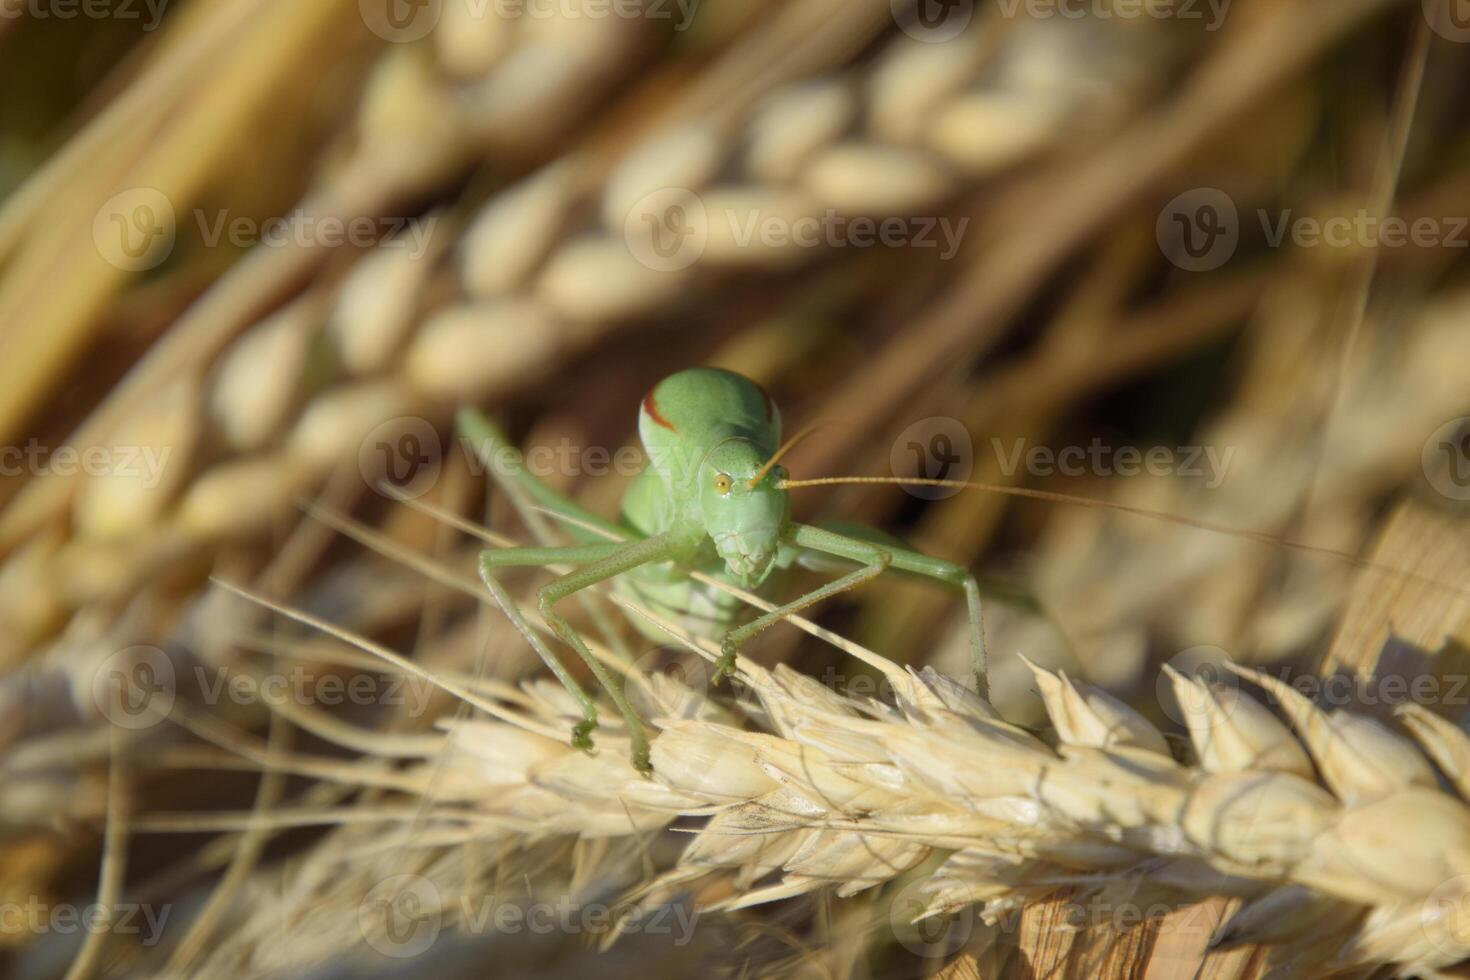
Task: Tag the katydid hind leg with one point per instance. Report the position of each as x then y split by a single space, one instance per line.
507 467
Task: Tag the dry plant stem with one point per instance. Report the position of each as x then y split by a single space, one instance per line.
59 321
129 118
242 863
1383 193
1385 612
1017 397
1065 209
114 861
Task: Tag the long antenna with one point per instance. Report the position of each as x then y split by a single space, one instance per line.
1052 496
786 447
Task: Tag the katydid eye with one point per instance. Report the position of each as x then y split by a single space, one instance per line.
722 483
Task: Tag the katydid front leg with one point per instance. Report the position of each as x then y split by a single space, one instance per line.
604 561
538 557
874 559
918 563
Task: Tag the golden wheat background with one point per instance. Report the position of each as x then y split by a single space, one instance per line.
1202 261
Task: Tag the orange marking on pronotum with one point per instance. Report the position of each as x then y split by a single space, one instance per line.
651 407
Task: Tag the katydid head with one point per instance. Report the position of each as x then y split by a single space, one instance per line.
743 508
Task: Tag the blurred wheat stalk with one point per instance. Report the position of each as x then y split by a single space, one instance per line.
259 378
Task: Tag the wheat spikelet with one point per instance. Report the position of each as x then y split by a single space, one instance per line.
1334 819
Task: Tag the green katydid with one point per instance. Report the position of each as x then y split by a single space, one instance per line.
714 499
